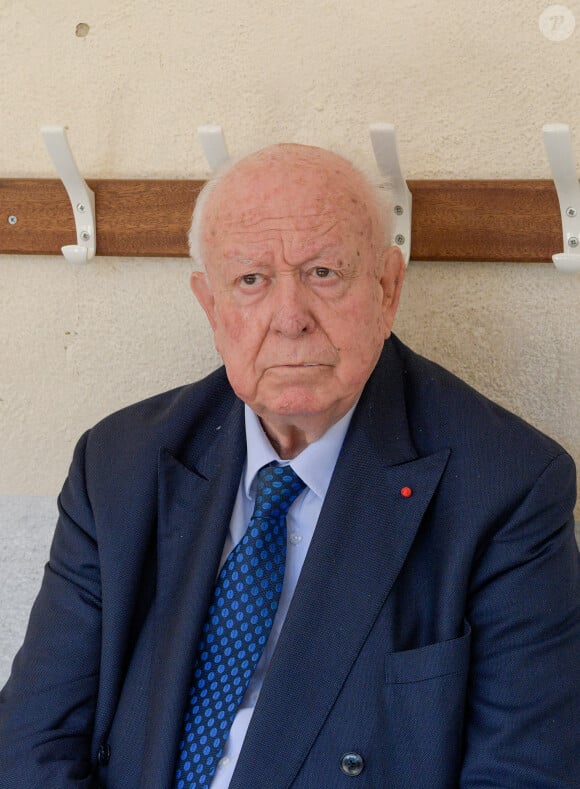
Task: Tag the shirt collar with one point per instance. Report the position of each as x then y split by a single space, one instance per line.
314 465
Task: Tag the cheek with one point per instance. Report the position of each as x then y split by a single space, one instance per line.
227 330
360 338
230 320
238 334
377 317
365 324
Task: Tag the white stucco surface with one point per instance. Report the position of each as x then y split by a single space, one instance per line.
468 84
26 528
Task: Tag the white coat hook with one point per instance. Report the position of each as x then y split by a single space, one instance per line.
384 142
561 157
82 198
214 146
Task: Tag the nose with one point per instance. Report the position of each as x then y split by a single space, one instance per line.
291 313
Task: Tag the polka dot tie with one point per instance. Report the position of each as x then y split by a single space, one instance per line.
240 617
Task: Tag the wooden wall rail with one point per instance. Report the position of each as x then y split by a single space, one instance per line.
452 220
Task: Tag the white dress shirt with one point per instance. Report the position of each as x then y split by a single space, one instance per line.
314 465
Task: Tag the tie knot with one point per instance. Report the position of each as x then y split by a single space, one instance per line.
277 488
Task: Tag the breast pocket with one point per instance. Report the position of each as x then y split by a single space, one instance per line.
425 697
429 662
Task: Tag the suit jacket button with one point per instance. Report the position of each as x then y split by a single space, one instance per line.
352 764
104 754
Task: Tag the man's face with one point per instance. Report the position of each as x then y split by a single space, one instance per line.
299 292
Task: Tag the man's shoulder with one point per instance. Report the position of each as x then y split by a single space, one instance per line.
166 419
442 407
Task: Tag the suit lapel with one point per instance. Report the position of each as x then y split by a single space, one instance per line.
195 504
362 538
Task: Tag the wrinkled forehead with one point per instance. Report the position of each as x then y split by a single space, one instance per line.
300 189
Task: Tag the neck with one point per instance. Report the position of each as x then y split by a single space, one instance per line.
288 443
289 438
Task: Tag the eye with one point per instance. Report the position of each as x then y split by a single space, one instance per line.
251 279
321 272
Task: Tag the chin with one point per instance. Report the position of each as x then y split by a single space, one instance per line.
298 403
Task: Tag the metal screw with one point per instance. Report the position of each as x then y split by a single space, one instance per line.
85 236
12 220
399 210
573 241
399 239
81 207
571 211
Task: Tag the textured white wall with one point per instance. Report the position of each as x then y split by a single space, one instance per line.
26 526
468 85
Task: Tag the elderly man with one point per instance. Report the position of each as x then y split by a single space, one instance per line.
403 609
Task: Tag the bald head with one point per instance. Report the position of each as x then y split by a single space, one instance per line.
295 169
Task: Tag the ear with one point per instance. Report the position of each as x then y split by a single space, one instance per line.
393 275
202 292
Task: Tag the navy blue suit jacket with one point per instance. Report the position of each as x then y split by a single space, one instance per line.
436 635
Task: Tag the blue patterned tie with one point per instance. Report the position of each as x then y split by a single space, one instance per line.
240 617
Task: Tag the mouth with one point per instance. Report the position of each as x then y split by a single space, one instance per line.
298 366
